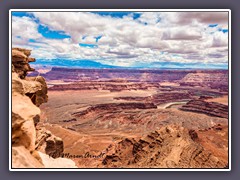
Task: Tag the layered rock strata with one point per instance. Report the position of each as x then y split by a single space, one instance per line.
217 81
107 85
169 147
134 75
209 108
138 75
116 107
159 98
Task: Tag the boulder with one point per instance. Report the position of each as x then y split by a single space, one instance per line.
20 61
48 143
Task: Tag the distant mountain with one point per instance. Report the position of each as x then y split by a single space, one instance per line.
89 64
72 63
178 65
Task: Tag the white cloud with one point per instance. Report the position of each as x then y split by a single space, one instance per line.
154 37
23 29
220 39
193 18
182 33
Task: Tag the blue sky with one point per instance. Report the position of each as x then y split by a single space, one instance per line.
22 14
119 14
51 34
88 45
126 39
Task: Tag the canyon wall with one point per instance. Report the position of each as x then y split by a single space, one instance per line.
209 108
130 74
198 77
32 146
112 86
218 80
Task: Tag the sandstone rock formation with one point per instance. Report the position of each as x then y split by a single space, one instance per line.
116 107
27 95
209 108
205 78
159 98
37 90
218 80
23 158
169 147
20 61
48 143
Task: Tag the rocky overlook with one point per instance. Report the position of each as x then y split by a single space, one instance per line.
31 145
20 61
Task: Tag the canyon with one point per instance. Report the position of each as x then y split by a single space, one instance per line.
111 111
121 118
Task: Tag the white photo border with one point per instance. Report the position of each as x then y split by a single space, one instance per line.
120 169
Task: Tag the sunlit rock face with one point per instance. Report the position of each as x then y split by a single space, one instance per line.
28 93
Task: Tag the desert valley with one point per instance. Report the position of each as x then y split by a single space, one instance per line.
136 116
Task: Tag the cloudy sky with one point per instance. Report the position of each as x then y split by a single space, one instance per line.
128 39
